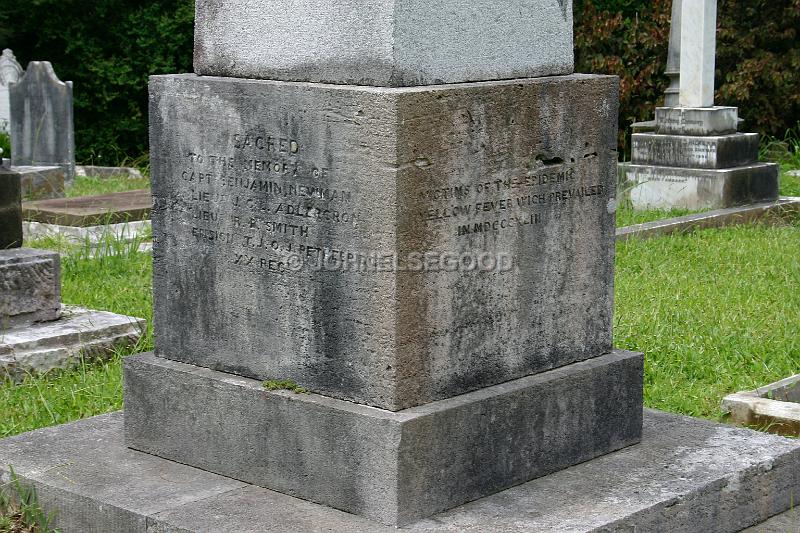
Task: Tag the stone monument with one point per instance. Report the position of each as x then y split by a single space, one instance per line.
341 227
288 213
10 72
696 158
42 131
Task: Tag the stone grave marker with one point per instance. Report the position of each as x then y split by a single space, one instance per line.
37 334
347 239
42 132
10 72
114 208
695 158
309 232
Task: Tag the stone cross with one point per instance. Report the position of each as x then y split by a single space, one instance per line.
10 72
42 131
698 50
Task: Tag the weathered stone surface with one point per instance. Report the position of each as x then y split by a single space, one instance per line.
10 209
775 407
41 120
783 523
127 206
388 43
77 334
124 231
42 182
698 52
666 187
697 121
10 72
393 467
107 172
525 168
689 151
30 286
687 475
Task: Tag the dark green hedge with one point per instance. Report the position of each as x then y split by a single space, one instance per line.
109 47
758 57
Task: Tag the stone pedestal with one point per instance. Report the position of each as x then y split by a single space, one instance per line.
354 240
695 159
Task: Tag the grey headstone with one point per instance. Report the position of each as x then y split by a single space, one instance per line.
10 72
525 168
42 131
30 286
10 209
392 467
384 43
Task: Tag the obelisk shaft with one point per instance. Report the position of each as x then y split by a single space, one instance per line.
698 50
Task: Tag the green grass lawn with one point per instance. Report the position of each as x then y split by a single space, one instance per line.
715 312
118 282
94 186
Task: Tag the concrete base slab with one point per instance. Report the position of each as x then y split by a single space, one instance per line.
767 212
775 407
392 467
92 234
86 211
687 475
61 343
659 187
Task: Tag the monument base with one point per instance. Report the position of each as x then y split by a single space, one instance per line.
392 467
686 475
662 187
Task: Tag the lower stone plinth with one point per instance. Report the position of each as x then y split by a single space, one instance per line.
78 334
687 475
392 467
660 187
689 151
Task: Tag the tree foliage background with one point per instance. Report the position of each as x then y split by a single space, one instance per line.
109 47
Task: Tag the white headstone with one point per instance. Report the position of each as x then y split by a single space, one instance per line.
698 50
10 72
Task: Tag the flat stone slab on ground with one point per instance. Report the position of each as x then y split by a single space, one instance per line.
61 343
687 475
107 172
717 218
85 211
124 231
